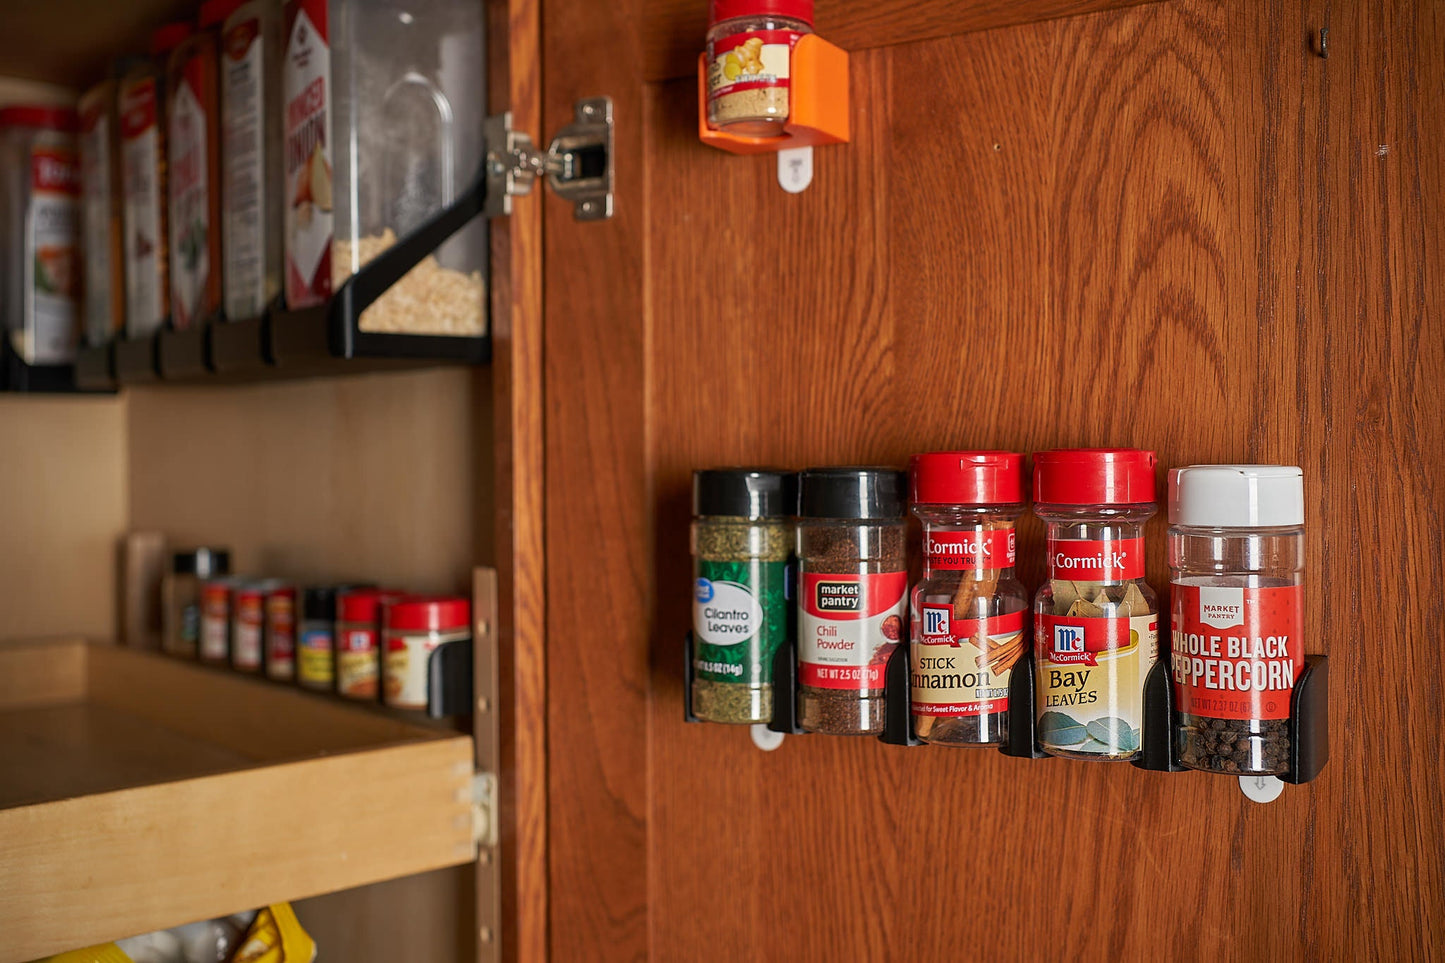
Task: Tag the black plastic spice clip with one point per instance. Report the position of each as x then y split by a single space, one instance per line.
449 679
1022 742
898 709
687 714
1309 722
785 688
1157 746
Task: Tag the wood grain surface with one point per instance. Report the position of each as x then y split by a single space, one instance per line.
673 30
519 550
1173 226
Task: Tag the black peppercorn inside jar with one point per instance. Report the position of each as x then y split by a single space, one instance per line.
1236 554
741 540
853 583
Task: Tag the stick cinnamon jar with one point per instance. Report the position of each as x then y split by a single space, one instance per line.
853 577
969 609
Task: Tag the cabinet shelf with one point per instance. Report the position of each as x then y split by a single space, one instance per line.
138 792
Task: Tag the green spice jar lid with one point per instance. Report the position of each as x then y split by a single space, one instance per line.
744 492
868 492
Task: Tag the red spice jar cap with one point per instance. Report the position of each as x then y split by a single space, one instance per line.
215 11
429 613
34 115
1094 476
167 38
967 478
720 10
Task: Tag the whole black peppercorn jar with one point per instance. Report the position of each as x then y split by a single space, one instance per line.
742 537
852 587
969 610
1236 562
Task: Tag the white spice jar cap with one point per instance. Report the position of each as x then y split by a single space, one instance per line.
1237 496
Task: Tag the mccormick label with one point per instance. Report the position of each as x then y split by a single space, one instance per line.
1091 681
215 621
190 187
307 151
141 166
848 626
1090 560
961 667
1236 652
356 662
281 633
739 617
96 190
244 120
972 550
750 61
246 631
52 255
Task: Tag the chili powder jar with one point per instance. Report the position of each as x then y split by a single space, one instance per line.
853 579
1096 622
749 63
742 537
1236 563
968 612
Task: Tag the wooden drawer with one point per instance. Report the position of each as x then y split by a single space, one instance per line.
138 792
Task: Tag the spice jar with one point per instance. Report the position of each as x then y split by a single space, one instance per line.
316 642
742 537
383 128
251 167
279 640
40 233
1096 620
358 634
853 576
143 172
181 597
215 645
101 207
415 627
193 141
749 58
248 624
969 609
1236 563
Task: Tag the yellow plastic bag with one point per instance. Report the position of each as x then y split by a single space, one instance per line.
276 936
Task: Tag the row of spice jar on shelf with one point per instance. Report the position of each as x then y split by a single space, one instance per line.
259 156
1236 563
357 640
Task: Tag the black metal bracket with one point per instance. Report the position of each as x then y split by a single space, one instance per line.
449 680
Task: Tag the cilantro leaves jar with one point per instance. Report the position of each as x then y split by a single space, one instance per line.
969 610
1236 562
1096 621
749 58
853 579
742 538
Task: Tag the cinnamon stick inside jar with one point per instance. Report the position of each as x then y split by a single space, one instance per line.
969 609
852 581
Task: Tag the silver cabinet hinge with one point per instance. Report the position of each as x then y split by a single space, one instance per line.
484 809
578 162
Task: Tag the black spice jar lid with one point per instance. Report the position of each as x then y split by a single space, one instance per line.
319 602
852 493
202 562
744 492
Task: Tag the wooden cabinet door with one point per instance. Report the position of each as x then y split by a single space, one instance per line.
1171 225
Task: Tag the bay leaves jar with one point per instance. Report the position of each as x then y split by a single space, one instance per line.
742 536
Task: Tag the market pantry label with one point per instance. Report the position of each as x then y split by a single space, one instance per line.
1236 651
848 625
